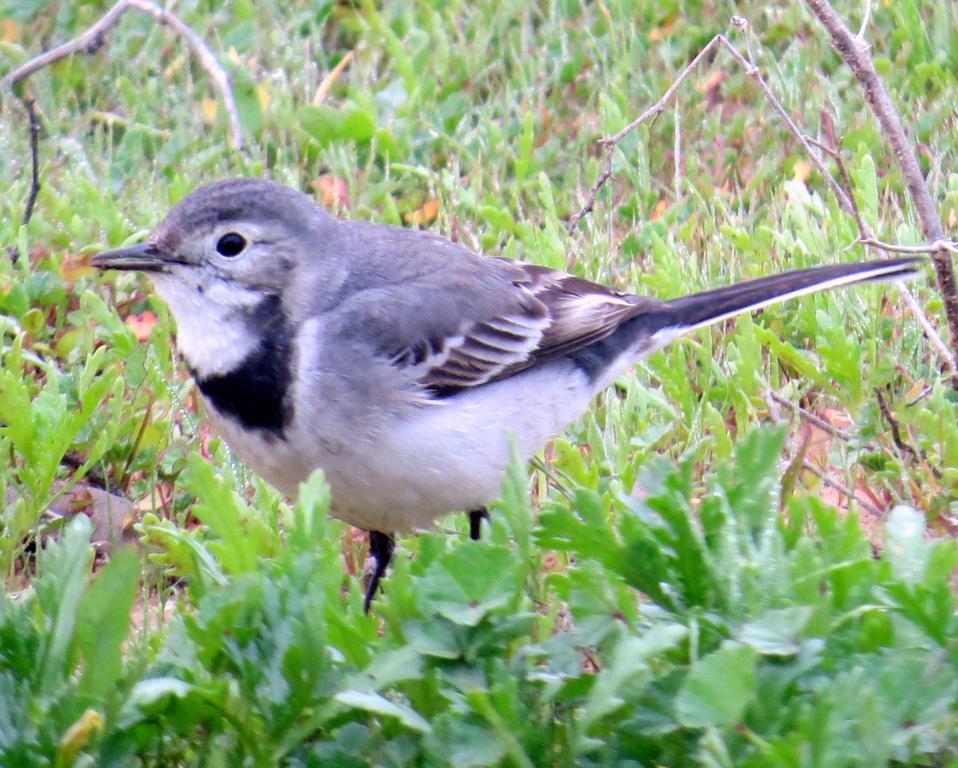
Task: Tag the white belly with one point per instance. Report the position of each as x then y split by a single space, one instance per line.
428 461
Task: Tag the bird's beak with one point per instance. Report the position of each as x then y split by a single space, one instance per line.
145 257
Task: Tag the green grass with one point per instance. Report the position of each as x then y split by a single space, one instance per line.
676 590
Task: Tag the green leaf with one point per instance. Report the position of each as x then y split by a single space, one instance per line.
905 546
104 621
464 741
776 632
306 521
221 509
328 125
468 583
64 568
629 659
378 705
525 147
514 505
718 688
248 105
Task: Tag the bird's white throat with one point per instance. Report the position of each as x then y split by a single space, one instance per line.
213 333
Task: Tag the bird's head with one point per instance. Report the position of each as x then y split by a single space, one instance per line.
230 244
229 260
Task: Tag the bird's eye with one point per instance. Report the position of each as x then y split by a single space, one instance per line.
230 244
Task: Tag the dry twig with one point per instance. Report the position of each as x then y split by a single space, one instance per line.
843 489
800 462
31 108
903 446
896 437
843 192
92 40
854 51
810 417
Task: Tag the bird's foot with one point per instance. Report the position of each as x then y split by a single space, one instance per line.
381 546
476 517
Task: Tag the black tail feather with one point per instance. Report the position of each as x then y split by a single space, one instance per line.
714 305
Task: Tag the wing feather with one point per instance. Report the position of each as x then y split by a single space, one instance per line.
552 314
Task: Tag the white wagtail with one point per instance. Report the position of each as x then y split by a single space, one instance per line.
401 364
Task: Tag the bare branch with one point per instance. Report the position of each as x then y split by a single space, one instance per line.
91 41
901 444
931 333
843 193
866 18
865 237
654 111
799 460
938 245
808 416
31 108
896 437
842 488
855 53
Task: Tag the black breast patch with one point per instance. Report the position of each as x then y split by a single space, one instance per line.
256 392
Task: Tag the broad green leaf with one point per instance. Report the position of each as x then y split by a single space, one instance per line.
776 632
103 622
378 705
718 688
468 583
905 547
64 573
464 741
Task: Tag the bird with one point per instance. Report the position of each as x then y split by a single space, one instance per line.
402 364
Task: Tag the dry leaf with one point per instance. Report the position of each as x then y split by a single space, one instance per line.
424 215
660 207
332 191
141 325
74 266
326 85
80 500
917 388
659 33
836 417
802 170
262 93
209 107
714 80
11 32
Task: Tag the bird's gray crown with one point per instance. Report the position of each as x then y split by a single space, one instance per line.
237 200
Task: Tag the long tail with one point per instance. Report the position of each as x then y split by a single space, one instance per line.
655 324
701 309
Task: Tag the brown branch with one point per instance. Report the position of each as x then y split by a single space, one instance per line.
939 245
799 461
855 53
844 193
31 108
842 488
896 437
91 41
654 111
904 447
868 239
811 418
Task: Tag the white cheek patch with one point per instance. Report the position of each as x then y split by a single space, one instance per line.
229 295
213 335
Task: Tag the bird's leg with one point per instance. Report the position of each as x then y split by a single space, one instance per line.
475 521
381 546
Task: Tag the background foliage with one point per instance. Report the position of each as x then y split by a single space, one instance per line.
679 588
